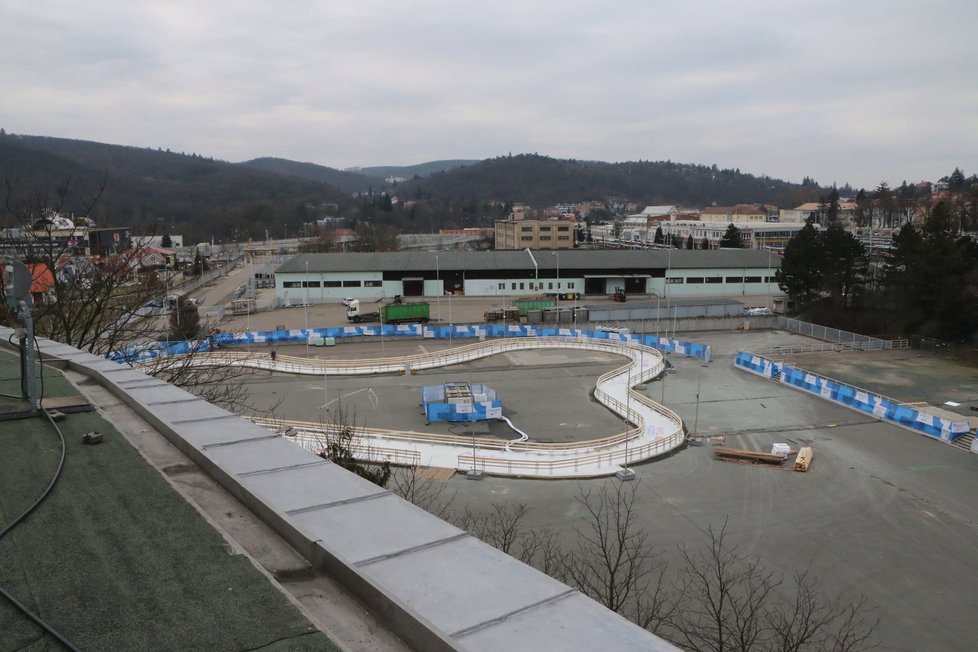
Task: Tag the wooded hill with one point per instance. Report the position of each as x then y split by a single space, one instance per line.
159 191
543 181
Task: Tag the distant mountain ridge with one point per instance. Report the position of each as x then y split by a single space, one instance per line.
543 181
420 170
349 182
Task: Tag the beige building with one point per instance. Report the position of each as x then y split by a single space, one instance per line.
739 214
534 234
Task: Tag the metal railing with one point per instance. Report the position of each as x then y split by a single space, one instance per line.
555 459
841 347
830 334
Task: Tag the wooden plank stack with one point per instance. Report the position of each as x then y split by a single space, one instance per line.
804 459
751 457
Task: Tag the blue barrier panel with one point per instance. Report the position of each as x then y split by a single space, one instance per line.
878 406
439 331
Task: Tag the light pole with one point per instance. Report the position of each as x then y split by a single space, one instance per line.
668 273
626 473
451 324
536 269
696 414
555 254
769 276
441 290
305 307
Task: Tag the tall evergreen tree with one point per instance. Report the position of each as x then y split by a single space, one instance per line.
844 265
800 276
731 238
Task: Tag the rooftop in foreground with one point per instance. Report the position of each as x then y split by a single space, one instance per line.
115 558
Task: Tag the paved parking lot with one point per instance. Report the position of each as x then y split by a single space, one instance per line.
883 512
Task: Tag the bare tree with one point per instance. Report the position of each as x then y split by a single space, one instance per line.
91 303
204 374
425 492
612 561
342 443
728 601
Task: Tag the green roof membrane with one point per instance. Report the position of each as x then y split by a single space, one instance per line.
115 558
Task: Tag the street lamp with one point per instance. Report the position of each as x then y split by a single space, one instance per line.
441 290
305 307
554 253
536 269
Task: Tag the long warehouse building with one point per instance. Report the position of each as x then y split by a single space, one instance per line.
683 273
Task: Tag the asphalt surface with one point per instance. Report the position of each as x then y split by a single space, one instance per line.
883 512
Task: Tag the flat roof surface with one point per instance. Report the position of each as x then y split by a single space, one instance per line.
114 558
567 259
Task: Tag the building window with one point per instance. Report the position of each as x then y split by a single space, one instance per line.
563 229
693 279
351 284
544 237
563 237
521 286
735 279
331 284
513 286
753 279
527 238
550 285
544 228
502 286
310 284
292 284
715 279
526 229
678 280
373 284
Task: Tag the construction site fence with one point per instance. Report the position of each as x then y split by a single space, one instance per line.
139 352
830 334
877 405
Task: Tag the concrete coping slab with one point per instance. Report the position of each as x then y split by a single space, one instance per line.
270 454
462 584
308 488
190 412
205 434
369 530
571 622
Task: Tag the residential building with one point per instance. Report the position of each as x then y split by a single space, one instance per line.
534 234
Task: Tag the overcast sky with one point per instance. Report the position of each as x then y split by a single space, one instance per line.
858 91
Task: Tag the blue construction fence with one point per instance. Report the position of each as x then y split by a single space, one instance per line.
876 405
137 353
438 407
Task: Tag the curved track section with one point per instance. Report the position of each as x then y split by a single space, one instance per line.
656 429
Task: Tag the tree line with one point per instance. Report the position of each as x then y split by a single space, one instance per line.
924 280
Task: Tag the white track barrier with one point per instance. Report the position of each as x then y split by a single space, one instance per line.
657 429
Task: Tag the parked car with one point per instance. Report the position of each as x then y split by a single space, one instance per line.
346 301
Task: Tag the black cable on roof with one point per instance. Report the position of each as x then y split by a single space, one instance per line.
47 490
